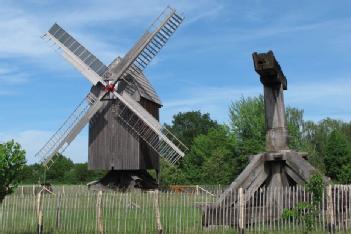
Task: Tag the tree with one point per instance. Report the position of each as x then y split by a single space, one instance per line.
12 161
315 139
346 129
338 157
28 175
61 170
295 124
171 174
247 121
187 125
212 158
81 174
248 124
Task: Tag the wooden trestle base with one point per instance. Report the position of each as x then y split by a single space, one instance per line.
267 170
278 167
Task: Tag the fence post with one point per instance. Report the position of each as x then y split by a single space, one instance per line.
241 211
157 212
99 217
197 189
58 211
40 213
330 209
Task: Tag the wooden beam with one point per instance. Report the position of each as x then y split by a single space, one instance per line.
296 177
299 165
249 171
256 183
278 177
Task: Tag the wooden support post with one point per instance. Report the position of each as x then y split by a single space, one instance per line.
40 213
99 218
241 211
197 189
58 211
330 210
274 82
157 212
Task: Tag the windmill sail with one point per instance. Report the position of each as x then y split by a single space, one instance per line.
69 129
81 58
132 114
149 45
149 129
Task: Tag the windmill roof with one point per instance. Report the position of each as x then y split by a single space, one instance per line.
145 89
143 85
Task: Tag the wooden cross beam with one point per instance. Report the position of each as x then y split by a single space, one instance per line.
274 82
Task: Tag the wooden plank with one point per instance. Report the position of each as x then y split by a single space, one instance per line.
249 171
113 145
40 213
330 209
261 174
99 216
157 212
58 211
296 177
299 165
241 211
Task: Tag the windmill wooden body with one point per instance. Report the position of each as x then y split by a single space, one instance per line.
124 150
122 109
278 166
125 155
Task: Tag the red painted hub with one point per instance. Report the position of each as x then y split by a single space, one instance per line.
110 88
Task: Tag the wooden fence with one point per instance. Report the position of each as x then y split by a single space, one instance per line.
83 211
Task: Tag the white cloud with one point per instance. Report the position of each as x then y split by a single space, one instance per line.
205 14
329 99
338 90
9 74
20 34
21 26
203 95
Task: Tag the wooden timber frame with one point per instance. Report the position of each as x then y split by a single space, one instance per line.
278 166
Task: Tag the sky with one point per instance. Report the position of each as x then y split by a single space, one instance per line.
205 66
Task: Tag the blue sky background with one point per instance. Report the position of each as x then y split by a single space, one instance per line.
205 66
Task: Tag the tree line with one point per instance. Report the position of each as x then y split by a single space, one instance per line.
219 152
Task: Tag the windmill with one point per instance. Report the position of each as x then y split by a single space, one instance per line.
122 109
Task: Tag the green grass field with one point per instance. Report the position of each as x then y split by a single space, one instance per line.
132 212
121 213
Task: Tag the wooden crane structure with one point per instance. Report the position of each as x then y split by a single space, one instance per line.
279 166
122 109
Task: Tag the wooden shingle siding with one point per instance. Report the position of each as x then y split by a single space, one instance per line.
112 145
